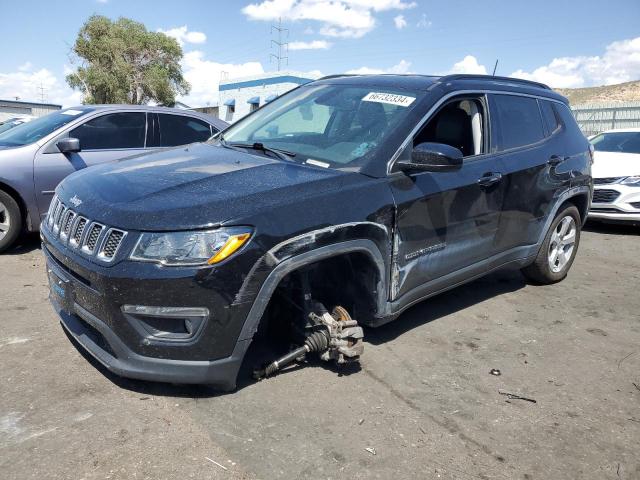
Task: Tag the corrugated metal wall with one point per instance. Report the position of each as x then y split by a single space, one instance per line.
597 117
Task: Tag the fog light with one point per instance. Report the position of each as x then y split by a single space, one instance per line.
167 323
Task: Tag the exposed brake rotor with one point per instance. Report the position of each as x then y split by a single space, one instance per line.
333 336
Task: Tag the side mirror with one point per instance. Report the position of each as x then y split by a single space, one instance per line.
68 145
433 157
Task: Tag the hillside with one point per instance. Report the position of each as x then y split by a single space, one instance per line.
622 92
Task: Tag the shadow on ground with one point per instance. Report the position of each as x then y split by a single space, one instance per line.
261 352
26 243
612 228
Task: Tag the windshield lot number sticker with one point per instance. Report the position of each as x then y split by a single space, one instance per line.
389 98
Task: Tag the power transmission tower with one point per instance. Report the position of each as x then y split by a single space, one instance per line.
43 94
283 47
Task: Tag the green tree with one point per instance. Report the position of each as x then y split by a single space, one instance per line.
123 62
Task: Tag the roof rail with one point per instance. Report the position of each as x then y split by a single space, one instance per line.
338 75
464 76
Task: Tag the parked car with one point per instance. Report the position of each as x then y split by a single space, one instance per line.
36 156
9 123
616 172
349 197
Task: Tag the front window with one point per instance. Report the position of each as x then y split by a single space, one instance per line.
625 142
39 128
329 125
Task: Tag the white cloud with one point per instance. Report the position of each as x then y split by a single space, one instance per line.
619 63
314 45
339 18
102 1
25 84
204 75
183 35
468 64
25 67
400 22
424 22
401 67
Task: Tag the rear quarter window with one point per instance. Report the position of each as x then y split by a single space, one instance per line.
519 121
549 115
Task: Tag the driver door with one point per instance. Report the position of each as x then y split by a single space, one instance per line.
447 221
103 138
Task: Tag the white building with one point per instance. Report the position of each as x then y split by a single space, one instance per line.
17 108
240 96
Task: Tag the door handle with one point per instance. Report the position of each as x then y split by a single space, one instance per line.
489 179
555 160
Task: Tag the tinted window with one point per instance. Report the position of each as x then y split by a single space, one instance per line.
179 130
519 121
567 119
40 127
626 142
549 116
112 131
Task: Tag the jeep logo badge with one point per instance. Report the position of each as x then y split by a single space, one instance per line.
76 201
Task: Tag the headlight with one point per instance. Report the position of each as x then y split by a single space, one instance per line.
631 181
190 248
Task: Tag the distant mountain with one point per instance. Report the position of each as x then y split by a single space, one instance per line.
622 92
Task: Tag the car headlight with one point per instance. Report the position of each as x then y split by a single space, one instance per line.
631 181
190 248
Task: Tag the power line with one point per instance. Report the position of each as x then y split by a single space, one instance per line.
280 45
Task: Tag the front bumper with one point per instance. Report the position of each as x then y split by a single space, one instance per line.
624 205
105 346
89 298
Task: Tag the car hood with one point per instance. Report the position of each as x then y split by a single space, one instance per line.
192 187
615 164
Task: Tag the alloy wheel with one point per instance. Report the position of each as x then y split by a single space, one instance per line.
5 220
562 244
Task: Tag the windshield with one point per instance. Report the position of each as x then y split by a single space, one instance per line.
326 125
626 142
40 127
9 124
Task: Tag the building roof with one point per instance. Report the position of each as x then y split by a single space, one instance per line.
31 104
269 78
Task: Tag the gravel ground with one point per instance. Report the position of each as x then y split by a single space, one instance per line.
422 405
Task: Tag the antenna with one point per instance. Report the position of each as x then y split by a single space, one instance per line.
280 56
495 67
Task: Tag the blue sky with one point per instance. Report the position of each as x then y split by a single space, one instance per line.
564 43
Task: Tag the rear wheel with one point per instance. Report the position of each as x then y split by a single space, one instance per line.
558 250
10 221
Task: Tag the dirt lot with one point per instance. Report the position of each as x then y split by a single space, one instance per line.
423 400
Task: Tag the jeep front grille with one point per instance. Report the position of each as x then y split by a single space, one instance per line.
111 244
79 232
92 237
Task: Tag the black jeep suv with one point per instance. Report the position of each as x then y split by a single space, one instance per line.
363 193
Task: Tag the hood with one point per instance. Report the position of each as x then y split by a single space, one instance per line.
193 187
615 164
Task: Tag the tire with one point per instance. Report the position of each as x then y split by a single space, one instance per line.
10 221
558 250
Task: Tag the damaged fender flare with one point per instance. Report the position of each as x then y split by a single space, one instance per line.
365 246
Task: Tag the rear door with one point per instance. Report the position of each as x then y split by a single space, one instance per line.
529 144
103 138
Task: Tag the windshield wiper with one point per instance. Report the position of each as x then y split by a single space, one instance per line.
281 154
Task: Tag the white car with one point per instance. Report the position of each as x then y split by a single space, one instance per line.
616 176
